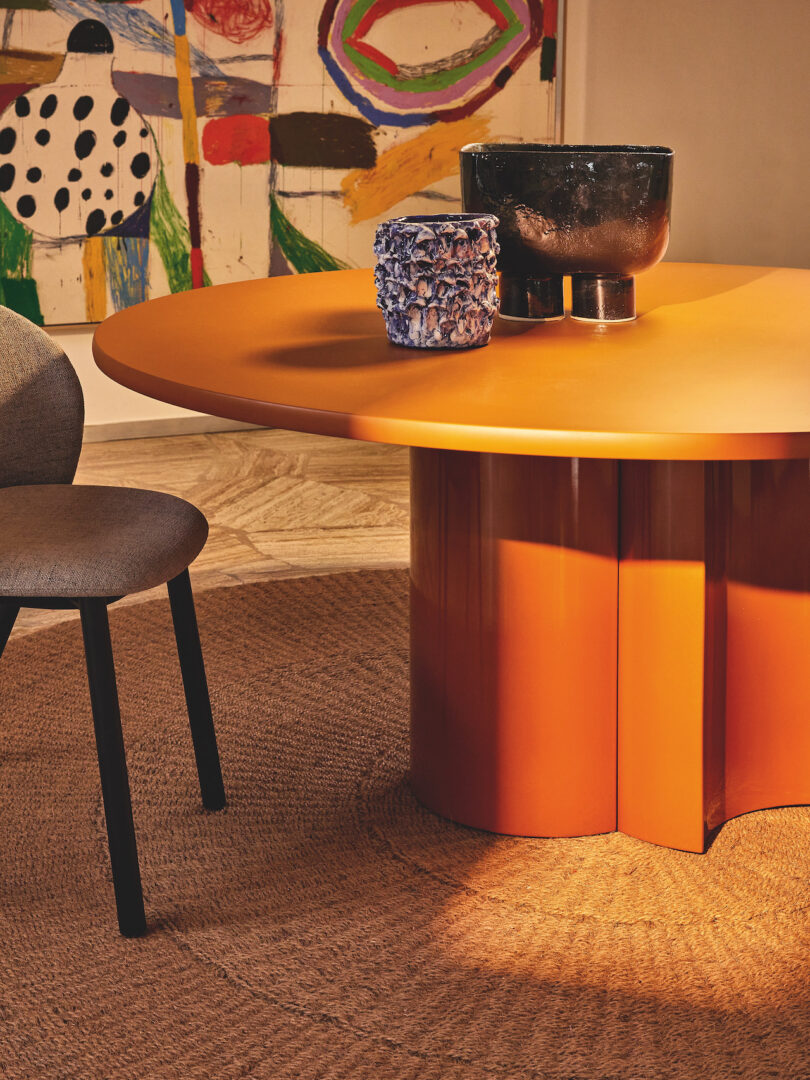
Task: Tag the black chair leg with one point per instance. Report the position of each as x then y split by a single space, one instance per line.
113 767
8 615
195 685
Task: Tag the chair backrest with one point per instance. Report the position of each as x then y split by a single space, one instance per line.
41 406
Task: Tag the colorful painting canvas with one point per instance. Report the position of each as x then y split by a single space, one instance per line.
149 146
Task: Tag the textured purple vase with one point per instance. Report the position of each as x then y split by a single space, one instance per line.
436 279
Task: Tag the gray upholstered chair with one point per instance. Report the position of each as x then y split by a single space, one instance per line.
65 545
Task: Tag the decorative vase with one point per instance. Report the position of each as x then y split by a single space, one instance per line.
436 279
598 213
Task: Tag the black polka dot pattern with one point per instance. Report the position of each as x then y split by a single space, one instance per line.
84 144
95 222
75 160
119 111
83 107
140 165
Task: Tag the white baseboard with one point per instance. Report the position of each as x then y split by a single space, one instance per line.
167 425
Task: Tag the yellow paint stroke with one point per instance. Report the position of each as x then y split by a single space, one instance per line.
95 279
410 166
26 66
185 94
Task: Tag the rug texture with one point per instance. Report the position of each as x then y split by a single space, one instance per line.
324 925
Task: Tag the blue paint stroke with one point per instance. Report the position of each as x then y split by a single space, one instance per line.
137 27
127 258
179 17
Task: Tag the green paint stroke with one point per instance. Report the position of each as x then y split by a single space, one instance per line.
548 59
16 246
358 10
302 254
438 80
20 294
169 232
18 290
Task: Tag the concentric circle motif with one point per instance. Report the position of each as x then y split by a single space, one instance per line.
448 88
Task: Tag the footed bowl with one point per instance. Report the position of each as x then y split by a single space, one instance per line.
598 213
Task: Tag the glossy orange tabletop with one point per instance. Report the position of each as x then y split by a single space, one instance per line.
717 366
596 642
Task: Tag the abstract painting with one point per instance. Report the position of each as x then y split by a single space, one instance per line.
150 146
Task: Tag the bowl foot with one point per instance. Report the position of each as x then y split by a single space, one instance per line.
603 297
536 299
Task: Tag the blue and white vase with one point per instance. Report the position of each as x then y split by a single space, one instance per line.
436 279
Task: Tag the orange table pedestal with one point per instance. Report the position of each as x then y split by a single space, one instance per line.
714 644
513 640
599 644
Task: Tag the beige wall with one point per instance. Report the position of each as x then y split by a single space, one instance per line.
105 401
726 84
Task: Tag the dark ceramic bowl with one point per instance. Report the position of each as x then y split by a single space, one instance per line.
598 213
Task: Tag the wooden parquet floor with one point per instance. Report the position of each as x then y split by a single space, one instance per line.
279 503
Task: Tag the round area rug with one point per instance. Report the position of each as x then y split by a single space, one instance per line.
324 925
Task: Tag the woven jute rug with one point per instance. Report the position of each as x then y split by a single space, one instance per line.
325 925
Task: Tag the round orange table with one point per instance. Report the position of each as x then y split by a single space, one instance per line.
610 600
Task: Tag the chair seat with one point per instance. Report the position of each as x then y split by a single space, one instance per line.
65 540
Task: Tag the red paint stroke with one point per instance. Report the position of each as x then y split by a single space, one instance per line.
374 55
197 275
244 140
385 7
489 8
550 18
237 20
10 91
